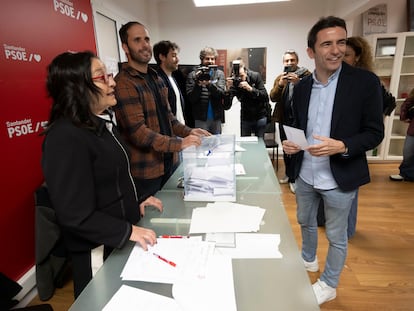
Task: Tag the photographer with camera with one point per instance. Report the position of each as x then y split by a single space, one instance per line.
281 94
248 87
205 88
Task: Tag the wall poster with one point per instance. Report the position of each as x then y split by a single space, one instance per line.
32 34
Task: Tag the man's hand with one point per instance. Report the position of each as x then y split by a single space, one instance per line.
245 86
190 140
200 132
327 147
290 147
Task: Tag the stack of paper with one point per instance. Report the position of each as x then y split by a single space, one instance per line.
168 260
226 217
197 275
253 245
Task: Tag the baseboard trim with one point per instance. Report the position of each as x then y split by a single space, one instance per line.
29 290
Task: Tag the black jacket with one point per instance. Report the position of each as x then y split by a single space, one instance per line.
172 99
199 96
88 176
356 120
254 104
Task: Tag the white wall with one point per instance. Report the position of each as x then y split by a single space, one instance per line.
277 26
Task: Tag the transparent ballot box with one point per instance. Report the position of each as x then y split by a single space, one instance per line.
209 170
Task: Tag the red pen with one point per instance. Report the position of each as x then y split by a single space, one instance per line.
173 237
165 260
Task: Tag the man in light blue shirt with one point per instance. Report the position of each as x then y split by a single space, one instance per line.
339 108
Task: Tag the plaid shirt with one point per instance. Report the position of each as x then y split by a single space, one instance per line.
137 118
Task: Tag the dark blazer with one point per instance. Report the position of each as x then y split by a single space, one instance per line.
172 99
90 186
356 120
254 103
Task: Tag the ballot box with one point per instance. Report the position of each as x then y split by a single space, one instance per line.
209 170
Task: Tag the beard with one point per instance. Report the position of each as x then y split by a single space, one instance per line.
172 67
142 56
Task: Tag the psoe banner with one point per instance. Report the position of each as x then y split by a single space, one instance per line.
32 33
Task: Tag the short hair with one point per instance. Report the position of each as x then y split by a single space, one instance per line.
123 32
163 47
291 52
206 51
323 23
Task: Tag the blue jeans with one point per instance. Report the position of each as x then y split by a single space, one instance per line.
213 126
257 127
352 218
337 206
407 164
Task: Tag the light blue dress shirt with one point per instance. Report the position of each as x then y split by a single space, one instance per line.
316 171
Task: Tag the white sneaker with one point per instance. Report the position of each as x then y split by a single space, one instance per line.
292 187
312 266
397 177
323 292
284 180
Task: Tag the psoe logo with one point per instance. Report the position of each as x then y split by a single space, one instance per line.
19 53
24 127
66 8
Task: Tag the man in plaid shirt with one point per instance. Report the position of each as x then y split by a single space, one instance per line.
144 116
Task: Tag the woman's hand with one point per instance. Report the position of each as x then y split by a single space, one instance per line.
150 201
143 236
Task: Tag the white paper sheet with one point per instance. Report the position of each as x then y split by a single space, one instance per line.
247 139
296 135
239 148
214 292
226 217
253 245
189 257
239 168
128 298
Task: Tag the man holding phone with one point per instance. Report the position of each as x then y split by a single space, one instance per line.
281 94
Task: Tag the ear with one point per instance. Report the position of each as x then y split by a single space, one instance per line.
310 52
125 48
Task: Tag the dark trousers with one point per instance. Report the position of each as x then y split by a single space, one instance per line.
287 158
82 269
148 187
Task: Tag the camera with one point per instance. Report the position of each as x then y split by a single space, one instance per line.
288 69
203 72
236 73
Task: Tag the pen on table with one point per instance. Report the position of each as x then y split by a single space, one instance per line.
171 263
166 236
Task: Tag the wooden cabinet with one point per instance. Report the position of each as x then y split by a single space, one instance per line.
394 64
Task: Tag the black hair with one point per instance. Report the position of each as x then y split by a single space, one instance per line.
324 22
123 32
163 48
69 84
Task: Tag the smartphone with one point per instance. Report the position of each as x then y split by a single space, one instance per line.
288 69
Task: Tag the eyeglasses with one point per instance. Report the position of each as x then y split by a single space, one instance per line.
104 78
